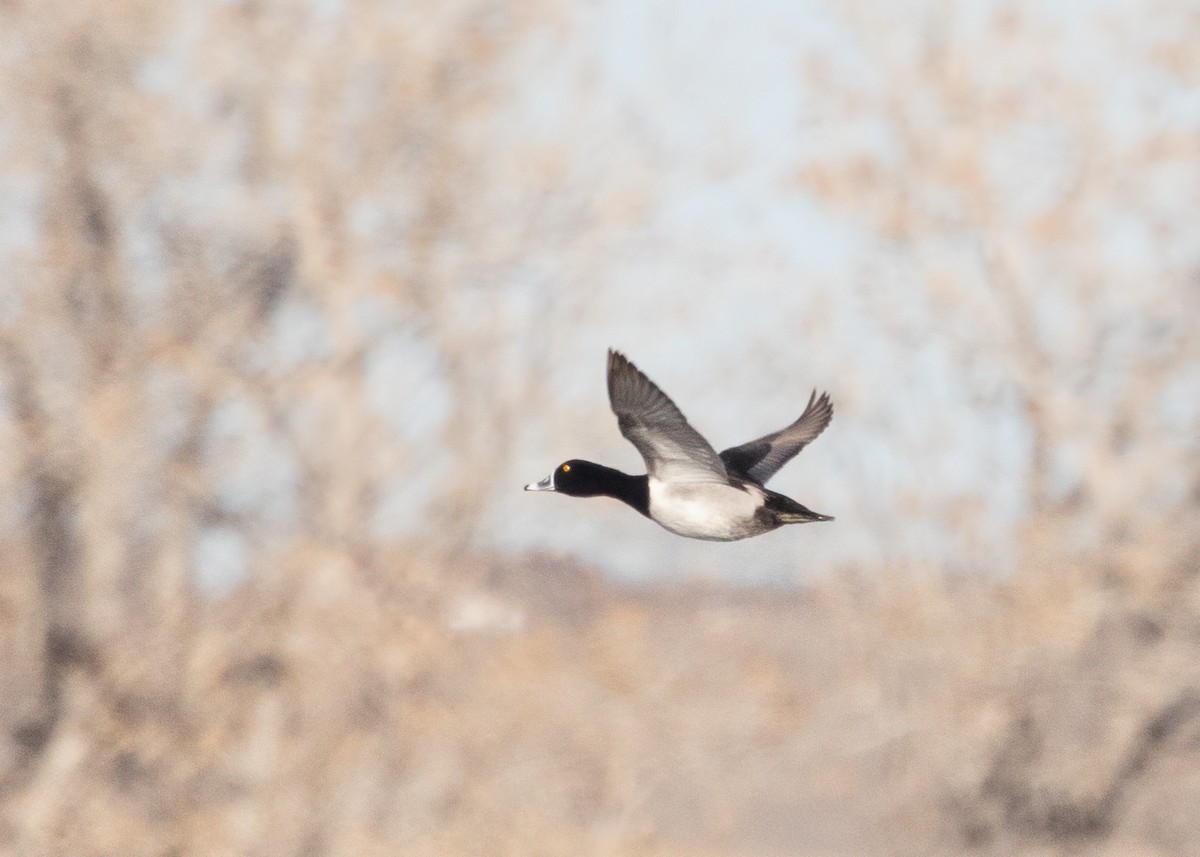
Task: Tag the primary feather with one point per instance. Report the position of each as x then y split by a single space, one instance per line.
761 459
672 449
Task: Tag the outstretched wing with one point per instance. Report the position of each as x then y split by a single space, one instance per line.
761 459
672 449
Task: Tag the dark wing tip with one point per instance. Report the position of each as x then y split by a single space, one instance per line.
617 360
618 364
821 409
632 381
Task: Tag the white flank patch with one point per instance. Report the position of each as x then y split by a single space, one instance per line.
703 510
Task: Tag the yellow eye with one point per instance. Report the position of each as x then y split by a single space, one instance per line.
566 468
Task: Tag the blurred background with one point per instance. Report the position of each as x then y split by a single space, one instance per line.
297 295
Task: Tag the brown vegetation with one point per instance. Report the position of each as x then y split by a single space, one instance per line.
222 224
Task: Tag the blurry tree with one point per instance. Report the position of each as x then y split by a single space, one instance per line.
276 291
1025 222
226 339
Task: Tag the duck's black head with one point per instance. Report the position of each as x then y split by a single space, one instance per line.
578 478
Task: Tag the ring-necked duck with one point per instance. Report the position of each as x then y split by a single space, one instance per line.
688 488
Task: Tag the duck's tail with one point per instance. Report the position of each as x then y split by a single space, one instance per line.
803 516
788 511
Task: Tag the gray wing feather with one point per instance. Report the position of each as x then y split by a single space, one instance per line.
672 449
761 459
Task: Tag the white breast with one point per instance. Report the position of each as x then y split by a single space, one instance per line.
704 510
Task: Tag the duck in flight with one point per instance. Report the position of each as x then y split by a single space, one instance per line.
688 488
